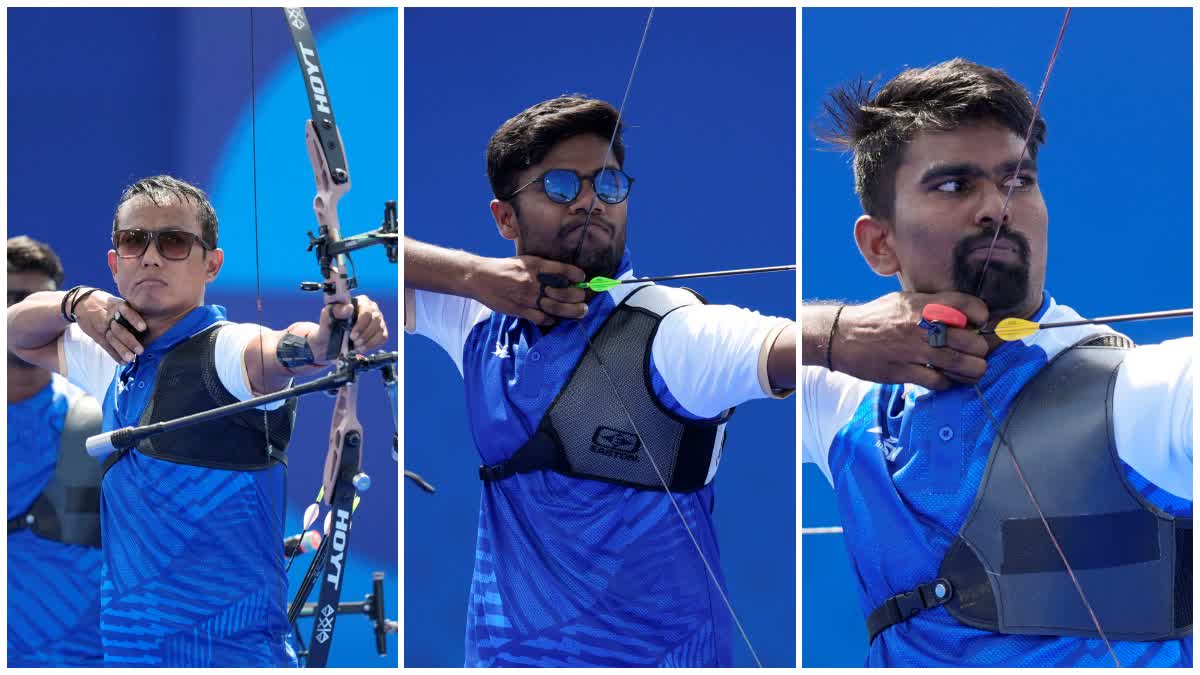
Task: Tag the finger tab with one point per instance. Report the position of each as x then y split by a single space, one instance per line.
945 314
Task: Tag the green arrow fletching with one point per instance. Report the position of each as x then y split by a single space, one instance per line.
599 284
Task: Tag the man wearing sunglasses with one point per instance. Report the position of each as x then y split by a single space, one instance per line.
585 407
193 574
53 497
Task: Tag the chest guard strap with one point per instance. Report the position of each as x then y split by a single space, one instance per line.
68 509
187 383
1133 559
586 431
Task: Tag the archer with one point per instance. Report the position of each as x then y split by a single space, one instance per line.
53 497
192 519
1005 504
579 538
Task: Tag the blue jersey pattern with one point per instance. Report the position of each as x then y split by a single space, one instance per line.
193 566
906 469
572 572
53 588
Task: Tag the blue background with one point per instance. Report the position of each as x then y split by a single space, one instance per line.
100 98
1116 174
711 141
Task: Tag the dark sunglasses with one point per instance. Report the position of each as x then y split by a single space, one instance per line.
562 186
172 244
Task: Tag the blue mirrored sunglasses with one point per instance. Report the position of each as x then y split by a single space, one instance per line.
562 186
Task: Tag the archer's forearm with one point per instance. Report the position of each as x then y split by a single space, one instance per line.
36 321
440 270
816 321
781 360
261 359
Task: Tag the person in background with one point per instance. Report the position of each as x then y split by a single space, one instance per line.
53 497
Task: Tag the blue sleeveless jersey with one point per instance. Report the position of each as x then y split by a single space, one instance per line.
193 562
53 588
906 469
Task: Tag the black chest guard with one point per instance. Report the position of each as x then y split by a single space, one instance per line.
1003 574
187 383
68 509
586 431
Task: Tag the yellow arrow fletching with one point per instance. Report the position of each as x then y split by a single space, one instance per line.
1012 329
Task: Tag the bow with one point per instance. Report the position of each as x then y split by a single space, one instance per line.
342 477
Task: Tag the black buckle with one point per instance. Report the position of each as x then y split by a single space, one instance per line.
908 604
903 606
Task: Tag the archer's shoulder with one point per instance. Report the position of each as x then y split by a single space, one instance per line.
1170 355
661 299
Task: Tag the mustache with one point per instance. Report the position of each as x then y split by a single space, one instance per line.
1002 237
595 221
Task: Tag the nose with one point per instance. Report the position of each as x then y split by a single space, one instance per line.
992 206
152 255
587 198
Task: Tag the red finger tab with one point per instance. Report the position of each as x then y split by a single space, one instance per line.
945 314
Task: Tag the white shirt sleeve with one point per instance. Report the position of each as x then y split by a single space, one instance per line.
830 400
1152 413
230 352
85 364
445 319
713 357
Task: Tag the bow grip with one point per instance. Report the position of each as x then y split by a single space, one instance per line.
337 332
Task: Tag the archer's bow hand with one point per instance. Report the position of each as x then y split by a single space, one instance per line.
530 287
881 341
367 328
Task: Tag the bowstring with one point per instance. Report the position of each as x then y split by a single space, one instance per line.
1012 454
262 362
1062 31
612 384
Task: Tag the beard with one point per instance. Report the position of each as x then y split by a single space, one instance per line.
595 261
1005 285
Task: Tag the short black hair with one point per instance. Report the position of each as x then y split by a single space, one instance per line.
524 140
163 189
26 254
876 126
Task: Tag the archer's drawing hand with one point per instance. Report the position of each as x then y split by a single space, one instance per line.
367 329
98 317
512 286
880 341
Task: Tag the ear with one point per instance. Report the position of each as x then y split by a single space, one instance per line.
506 219
112 263
212 264
874 239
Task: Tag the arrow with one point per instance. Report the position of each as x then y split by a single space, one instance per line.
602 284
1014 328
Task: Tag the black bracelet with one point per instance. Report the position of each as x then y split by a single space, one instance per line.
62 309
80 297
832 331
